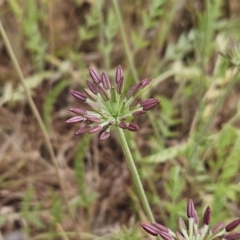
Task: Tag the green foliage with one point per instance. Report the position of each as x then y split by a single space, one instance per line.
207 23
167 118
89 30
30 212
224 145
139 43
56 209
175 183
230 167
108 27
125 233
226 165
149 22
111 26
10 94
178 50
3 220
174 187
86 197
166 154
155 10
30 19
50 100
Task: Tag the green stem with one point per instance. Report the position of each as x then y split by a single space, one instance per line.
103 42
124 39
135 174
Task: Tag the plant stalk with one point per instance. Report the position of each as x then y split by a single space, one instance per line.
125 42
135 174
40 123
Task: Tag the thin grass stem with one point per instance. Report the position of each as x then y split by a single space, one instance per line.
106 58
39 120
201 83
125 42
130 58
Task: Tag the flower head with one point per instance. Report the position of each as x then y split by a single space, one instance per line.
233 52
193 231
109 107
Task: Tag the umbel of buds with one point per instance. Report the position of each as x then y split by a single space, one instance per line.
193 231
109 107
232 52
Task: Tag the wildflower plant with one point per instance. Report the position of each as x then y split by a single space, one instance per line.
111 109
193 231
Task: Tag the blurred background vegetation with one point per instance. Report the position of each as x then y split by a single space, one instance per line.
189 147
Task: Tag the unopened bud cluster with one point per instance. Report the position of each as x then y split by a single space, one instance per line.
233 52
193 231
110 108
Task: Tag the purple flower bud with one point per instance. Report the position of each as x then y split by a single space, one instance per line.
207 216
90 95
149 103
123 125
145 82
232 225
150 229
134 103
92 87
199 231
119 74
191 212
95 129
82 130
120 85
133 90
78 95
139 112
232 52
103 94
133 127
165 236
105 81
218 227
232 42
104 135
181 224
161 227
190 208
95 76
92 118
179 236
78 111
75 119
232 236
